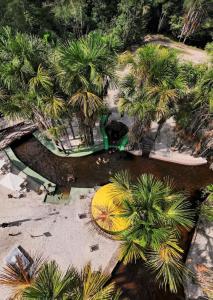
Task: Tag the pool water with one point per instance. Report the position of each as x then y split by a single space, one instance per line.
89 174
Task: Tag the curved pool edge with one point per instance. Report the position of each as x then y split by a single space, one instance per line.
52 148
37 178
181 159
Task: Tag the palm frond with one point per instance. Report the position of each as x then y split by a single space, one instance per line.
121 185
131 251
41 78
94 285
179 213
166 264
18 278
51 283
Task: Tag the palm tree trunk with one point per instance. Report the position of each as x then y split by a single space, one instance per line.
62 146
40 119
68 138
87 135
91 136
71 128
160 125
161 21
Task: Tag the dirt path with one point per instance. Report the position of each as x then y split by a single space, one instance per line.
186 53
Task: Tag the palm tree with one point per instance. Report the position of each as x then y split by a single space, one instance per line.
194 114
20 56
18 278
82 67
153 86
156 214
195 12
49 282
24 76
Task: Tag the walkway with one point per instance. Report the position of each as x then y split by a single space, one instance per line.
55 230
185 53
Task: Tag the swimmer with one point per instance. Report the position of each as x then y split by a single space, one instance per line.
105 161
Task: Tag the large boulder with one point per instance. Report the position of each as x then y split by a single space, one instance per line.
10 134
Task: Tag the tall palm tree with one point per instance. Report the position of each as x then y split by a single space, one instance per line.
82 68
195 12
153 86
156 214
194 114
24 76
20 56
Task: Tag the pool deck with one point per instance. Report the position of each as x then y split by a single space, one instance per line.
68 234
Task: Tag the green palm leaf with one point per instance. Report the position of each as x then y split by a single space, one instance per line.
94 285
121 185
179 213
167 266
51 283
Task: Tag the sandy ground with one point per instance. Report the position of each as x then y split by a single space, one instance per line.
162 147
185 53
70 237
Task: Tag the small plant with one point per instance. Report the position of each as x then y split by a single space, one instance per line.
207 205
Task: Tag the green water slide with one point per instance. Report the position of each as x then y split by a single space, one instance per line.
122 143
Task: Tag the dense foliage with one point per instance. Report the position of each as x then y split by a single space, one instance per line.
38 48
127 20
46 37
44 83
159 86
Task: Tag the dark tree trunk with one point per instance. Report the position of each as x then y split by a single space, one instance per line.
160 125
91 136
62 146
71 128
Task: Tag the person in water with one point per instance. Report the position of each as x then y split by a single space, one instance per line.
71 178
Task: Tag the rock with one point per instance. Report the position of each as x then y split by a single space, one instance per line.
9 135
